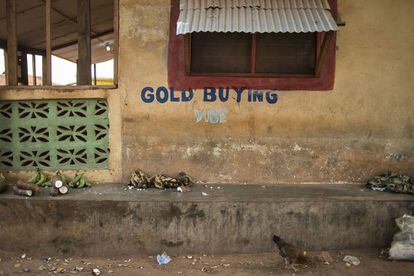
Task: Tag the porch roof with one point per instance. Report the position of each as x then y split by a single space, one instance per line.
31 34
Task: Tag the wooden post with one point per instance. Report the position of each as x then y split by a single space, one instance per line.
24 74
84 42
323 53
12 77
47 69
34 69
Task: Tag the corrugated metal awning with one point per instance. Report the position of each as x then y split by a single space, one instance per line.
255 16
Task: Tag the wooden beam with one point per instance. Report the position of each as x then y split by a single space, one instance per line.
70 19
39 52
84 42
12 78
34 69
47 69
74 42
23 11
323 53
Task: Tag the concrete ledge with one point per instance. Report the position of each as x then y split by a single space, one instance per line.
107 220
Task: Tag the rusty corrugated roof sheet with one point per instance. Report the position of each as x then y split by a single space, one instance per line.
255 16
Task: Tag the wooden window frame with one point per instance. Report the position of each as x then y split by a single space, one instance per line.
180 77
47 53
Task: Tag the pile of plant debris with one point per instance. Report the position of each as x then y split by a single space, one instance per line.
392 182
140 180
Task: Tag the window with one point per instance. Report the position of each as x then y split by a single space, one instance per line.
263 46
239 53
220 53
286 53
59 42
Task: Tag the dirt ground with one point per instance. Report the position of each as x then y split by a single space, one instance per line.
372 263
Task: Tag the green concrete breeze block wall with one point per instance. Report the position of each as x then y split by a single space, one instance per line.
54 134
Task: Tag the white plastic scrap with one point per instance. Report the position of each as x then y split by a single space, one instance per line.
96 272
163 259
351 260
402 247
204 194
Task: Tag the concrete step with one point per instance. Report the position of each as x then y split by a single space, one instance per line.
108 220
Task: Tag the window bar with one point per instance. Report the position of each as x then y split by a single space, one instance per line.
94 74
24 73
253 55
6 67
187 53
34 69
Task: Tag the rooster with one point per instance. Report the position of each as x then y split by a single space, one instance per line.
289 252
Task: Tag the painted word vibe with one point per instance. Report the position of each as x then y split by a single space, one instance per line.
210 94
211 116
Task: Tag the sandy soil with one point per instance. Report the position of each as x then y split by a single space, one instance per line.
372 263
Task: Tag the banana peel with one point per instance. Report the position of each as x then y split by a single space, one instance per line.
139 180
79 182
40 178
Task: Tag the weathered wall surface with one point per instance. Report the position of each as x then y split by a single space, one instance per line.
365 125
108 221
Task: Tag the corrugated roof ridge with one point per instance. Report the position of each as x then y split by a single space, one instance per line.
259 4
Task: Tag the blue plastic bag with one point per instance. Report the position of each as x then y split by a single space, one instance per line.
163 259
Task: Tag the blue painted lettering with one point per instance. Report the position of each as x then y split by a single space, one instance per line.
239 92
224 94
162 94
271 97
173 97
187 97
147 95
210 94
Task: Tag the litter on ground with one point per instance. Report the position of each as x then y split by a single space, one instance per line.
351 260
163 259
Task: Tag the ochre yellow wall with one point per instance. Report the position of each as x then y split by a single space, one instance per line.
364 126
